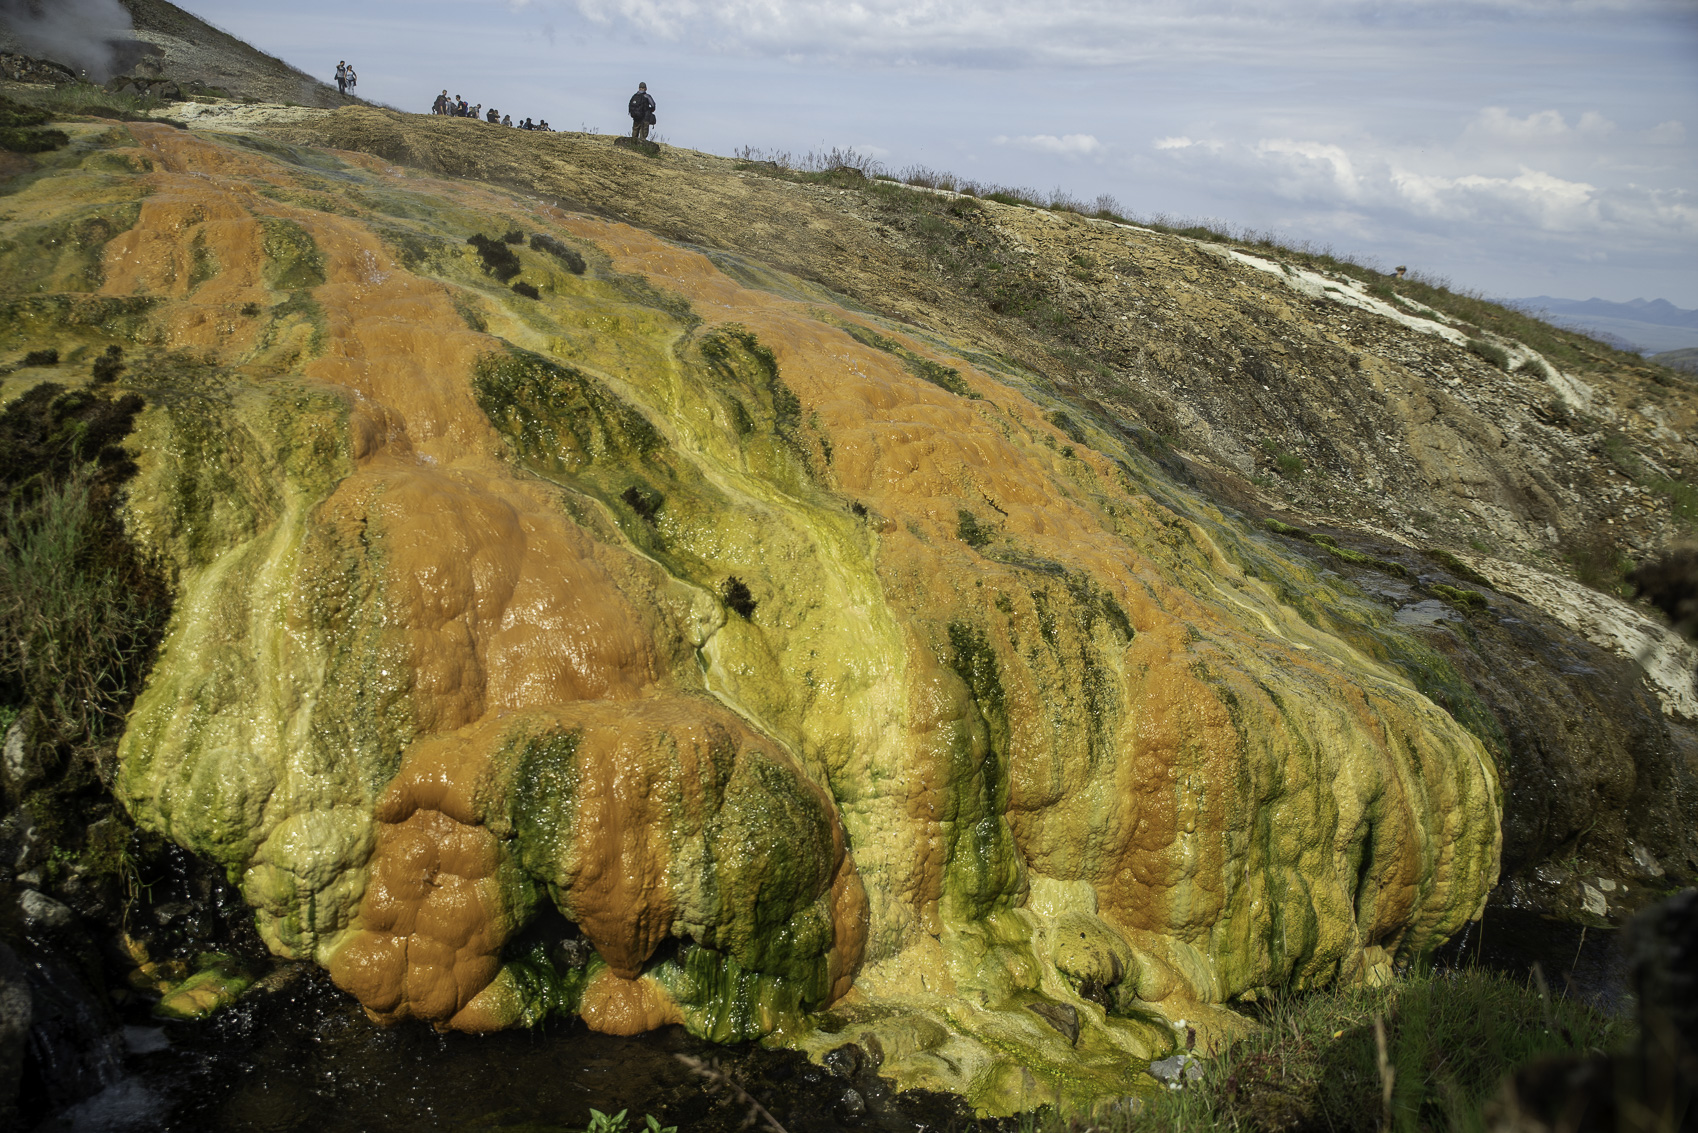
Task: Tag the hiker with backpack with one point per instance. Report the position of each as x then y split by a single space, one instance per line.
641 108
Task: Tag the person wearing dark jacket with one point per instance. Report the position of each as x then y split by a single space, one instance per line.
641 108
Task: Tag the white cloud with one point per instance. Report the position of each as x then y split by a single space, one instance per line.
1495 124
1002 32
1532 196
1453 186
1067 145
1306 156
1668 133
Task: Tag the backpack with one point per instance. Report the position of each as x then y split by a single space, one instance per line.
642 106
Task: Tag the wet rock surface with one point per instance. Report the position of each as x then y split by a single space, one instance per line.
297 1054
1594 771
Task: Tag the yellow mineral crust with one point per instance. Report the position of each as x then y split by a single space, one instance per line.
1004 756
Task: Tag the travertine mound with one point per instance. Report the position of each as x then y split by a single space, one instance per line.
689 645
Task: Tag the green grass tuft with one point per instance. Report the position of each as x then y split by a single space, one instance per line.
1490 351
1287 464
1450 1039
80 610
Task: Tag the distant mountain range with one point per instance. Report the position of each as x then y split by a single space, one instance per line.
1646 325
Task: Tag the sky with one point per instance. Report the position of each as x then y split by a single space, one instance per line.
1511 147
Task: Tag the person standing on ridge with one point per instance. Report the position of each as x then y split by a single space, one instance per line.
641 108
440 106
342 77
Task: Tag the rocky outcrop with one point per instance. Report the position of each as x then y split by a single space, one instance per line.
169 49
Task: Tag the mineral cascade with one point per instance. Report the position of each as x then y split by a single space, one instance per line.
674 640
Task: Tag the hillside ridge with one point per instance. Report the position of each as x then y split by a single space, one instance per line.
674 589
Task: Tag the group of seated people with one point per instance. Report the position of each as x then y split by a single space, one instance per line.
456 108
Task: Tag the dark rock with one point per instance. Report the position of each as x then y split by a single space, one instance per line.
1663 945
1582 1092
171 911
845 1061
1566 1093
1064 1017
22 846
73 1050
25 69
17 1014
25 763
1178 1068
43 915
850 1107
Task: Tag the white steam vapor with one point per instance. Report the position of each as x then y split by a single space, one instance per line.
78 33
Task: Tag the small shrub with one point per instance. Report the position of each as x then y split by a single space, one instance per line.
250 310
41 358
513 237
944 377
1457 567
527 290
1683 501
1490 351
737 597
20 129
80 610
1287 464
109 365
971 531
573 261
1450 1038
1599 562
32 141
1456 596
858 509
1067 425
1618 450
498 259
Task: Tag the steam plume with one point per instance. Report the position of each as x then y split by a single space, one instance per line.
85 35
